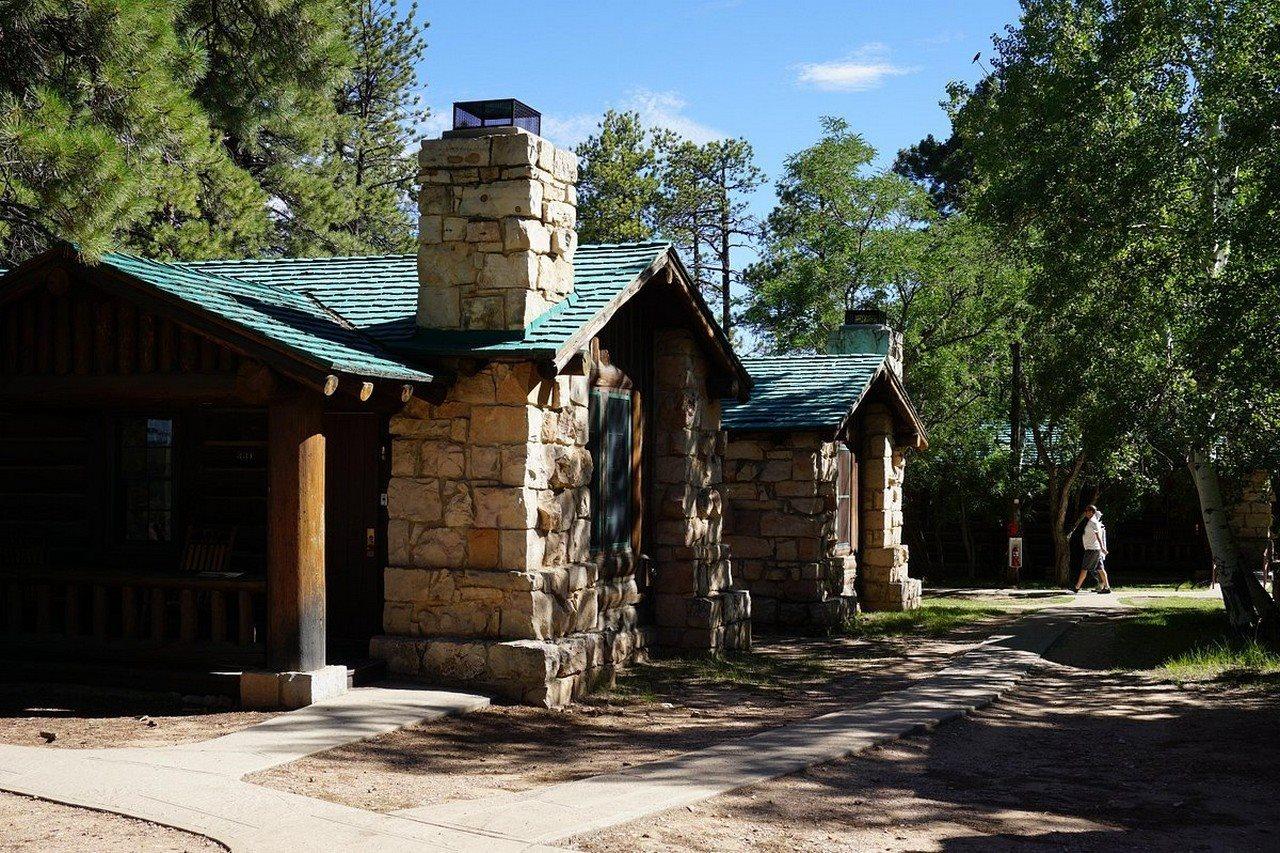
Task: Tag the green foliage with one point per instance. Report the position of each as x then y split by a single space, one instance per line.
357 199
1129 147
618 185
102 138
635 183
202 128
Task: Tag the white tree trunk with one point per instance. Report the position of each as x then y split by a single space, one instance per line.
1232 576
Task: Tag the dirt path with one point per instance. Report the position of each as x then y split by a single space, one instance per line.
1073 759
85 718
36 826
670 708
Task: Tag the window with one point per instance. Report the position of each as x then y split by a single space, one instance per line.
846 497
146 478
611 474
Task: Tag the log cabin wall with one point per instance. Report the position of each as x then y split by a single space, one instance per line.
76 363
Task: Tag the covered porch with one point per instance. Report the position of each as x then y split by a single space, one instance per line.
183 498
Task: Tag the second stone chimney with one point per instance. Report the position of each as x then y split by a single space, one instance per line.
497 229
866 330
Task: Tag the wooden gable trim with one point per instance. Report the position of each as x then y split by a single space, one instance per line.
581 339
666 267
907 416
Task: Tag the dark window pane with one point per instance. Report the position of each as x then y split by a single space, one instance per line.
146 478
610 444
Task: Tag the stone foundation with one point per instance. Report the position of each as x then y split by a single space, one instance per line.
288 691
549 673
781 488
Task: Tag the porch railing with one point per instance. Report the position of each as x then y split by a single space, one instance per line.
142 615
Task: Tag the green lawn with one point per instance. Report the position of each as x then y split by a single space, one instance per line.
1188 639
936 616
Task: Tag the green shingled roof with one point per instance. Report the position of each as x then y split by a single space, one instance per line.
291 319
600 273
356 314
802 391
371 292
378 294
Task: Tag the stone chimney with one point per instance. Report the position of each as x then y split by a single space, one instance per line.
496 234
866 330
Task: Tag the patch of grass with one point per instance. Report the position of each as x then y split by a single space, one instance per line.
1171 602
664 678
1189 639
1157 633
934 618
1234 661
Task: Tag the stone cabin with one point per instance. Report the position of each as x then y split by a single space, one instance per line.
498 464
813 476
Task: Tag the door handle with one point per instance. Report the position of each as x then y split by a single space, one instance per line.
371 542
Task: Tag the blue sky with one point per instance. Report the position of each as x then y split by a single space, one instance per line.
762 69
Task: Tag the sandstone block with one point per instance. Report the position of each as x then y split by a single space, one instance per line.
502 198
454 153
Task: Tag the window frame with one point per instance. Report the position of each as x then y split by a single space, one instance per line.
848 498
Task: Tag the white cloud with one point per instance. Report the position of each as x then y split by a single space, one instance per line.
867 68
568 131
656 109
667 109
438 120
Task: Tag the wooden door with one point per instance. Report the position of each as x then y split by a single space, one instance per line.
355 533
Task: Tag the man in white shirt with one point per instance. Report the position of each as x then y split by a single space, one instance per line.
1095 551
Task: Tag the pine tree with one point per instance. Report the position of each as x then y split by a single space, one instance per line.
368 168
270 68
100 134
704 208
618 188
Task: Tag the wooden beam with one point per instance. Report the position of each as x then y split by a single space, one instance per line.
295 533
151 387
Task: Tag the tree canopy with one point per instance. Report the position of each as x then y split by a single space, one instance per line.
194 128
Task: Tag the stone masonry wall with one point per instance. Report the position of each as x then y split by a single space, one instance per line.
496 233
781 489
885 584
491 582
1251 519
696 605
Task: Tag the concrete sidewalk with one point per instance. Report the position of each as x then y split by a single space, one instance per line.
198 787
561 811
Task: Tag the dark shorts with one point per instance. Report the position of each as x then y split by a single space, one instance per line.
1092 562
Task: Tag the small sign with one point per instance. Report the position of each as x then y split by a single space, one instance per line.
1015 553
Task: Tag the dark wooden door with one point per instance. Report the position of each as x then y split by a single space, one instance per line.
354 533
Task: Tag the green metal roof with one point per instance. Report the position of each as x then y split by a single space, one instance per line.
801 391
290 319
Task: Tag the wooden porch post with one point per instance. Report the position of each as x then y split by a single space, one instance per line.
295 534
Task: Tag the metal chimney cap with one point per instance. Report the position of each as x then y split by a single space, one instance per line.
500 112
866 316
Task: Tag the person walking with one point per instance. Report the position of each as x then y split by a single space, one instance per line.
1095 551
